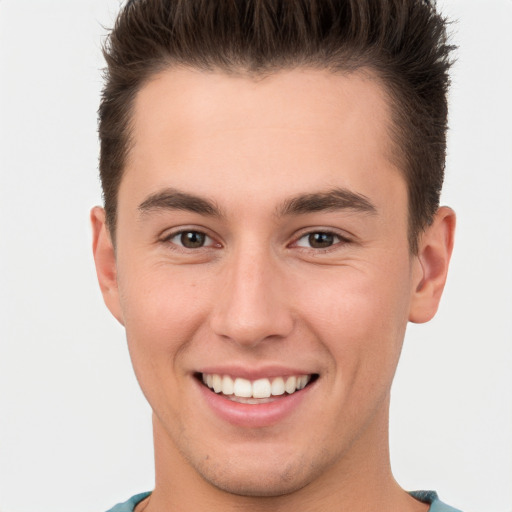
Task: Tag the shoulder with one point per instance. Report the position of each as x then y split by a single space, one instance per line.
129 506
431 497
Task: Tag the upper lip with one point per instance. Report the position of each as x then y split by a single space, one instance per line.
254 373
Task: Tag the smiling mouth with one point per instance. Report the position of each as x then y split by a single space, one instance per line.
259 391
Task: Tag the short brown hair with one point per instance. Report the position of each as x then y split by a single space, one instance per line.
403 42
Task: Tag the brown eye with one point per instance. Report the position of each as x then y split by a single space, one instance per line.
321 240
192 239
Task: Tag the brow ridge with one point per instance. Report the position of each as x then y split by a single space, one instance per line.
173 199
330 200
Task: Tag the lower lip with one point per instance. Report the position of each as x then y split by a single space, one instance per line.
254 415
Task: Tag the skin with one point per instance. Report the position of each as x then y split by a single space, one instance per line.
259 294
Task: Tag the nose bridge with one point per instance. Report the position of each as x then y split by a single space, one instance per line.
252 304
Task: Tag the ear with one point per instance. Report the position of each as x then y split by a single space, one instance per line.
431 266
105 260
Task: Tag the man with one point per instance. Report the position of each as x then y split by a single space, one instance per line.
271 173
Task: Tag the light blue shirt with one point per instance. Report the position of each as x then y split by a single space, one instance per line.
436 505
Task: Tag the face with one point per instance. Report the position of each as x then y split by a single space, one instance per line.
262 248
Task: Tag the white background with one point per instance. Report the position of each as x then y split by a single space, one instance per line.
75 432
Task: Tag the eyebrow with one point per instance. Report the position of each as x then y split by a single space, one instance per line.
328 201
331 200
172 199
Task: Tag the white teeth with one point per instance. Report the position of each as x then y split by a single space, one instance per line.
228 386
217 383
243 388
291 384
302 381
259 389
278 386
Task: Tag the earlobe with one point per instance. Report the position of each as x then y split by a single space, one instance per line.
105 261
431 266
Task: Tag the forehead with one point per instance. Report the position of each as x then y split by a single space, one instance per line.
287 132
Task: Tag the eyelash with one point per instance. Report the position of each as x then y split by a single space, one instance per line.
176 246
340 240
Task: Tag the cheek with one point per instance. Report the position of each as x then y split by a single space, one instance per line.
360 315
160 298
163 308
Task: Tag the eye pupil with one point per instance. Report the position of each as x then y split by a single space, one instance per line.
320 240
192 239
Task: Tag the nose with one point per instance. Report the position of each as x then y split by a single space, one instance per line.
252 305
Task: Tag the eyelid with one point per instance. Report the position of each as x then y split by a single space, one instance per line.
168 235
342 237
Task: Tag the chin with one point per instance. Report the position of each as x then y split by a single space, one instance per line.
259 479
279 485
